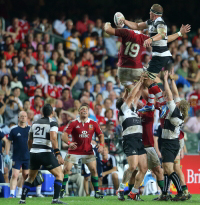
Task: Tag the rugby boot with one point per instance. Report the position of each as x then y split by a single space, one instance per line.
98 195
179 197
147 108
134 196
120 195
187 194
163 197
62 193
57 201
22 202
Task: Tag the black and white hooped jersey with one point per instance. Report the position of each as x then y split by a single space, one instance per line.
41 134
130 121
159 48
173 122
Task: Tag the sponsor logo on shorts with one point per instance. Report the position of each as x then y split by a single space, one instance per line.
133 152
84 134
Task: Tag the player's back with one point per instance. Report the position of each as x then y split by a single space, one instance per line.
41 134
131 48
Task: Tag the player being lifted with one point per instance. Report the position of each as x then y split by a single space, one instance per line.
130 67
82 130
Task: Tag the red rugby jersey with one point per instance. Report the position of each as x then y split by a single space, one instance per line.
82 134
131 48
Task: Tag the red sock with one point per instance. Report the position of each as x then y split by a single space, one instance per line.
157 92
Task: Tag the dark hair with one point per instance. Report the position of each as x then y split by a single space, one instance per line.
29 66
51 75
25 101
182 62
108 111
119 103
94 34
2 79
65 90
39 45
47 110
58 111
87 81
15 88
78 59
98 95
73 31
60 62
14 58
11 95
37 96
37 89
179 85
38 66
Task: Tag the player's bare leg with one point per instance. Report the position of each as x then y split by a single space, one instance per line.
133 163
13 181
178 170
86 185
143 167
115 180
66 172
94 178
132 180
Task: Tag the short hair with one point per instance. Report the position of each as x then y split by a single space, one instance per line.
29 66
94 34
98 105
65 90
37 96
157 8
14 58
26 101
106 100
47 110
180 85
51 76
108 111
183 62
84 105
119 103
58 111
87 81
38 65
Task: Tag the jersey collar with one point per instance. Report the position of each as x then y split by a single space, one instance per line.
87 121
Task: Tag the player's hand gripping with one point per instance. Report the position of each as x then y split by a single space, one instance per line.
147 43
166 74
60 159
185 29
100 148
72 145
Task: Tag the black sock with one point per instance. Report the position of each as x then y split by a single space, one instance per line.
166 184
57 188
174 177
184 187
26 188
130 186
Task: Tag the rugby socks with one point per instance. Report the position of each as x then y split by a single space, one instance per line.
57 188
166 184
184 187
38 190
26 188
155 91
130 186
19 193
65 180
161 184
12 192
95 183
121 186
174 177
135 191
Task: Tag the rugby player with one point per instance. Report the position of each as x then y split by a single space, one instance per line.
19 136
161 55
42 138
82 130
132 141
170 140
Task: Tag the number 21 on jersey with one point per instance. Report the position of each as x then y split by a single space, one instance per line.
132 49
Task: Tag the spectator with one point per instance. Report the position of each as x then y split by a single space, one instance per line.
50 89
54 61
26 105
107 104
118 87
112 76
87 58
113 97
197 58
62 71
109 114
68 102
47 40
12 110
19 36
109 166
16 93
146 60
37 105
183 71
194 98
193 124
97 89
41 76
10 53
97 111
5 85
45 26
177 62
196 37
82 26
183 51
87 86
38 40
197 46
23 24
16 83
4 70
30 82
2 103
69 26
38 91
79 80
47 52
99 99
91 41
59 25
70 59
109 88
92 78
73 41
62 85
88 32
98 27
30 55
190 52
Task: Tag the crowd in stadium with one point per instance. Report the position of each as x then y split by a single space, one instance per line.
80 66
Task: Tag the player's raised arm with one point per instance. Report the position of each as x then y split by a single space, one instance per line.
135 26
109 29
173 87
166 86
183 30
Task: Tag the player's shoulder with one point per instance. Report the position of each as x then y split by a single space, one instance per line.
91 121
53 123
158 21
13 128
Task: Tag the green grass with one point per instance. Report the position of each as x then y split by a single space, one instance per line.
108 200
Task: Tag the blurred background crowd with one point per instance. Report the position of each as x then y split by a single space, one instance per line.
67 59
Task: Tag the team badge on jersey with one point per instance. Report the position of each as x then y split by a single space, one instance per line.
91 127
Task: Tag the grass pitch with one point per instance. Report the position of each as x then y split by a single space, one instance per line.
108 200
